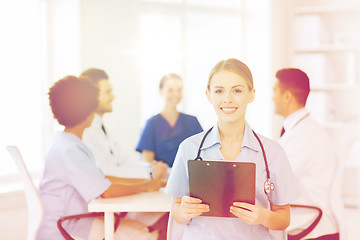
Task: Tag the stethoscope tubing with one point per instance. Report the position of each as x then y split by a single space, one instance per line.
268 186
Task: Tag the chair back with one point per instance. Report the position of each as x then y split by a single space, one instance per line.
34 205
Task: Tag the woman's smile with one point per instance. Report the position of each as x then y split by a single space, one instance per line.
228 110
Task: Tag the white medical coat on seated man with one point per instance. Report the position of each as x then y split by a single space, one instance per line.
113 161
313 160
109 157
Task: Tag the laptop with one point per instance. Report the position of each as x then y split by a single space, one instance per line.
220 183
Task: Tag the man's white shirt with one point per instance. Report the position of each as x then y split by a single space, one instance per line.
113 161
109 157
313 160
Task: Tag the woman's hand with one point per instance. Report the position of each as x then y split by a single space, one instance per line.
159 169
278 218
192 207
249 213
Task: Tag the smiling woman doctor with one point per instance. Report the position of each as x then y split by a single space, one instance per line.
230 89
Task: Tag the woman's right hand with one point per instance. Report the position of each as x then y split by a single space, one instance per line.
192 207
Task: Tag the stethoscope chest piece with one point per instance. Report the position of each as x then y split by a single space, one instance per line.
268 186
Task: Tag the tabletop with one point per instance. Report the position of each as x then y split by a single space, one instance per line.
141 202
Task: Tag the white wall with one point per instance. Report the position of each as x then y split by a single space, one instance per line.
279 55
109 41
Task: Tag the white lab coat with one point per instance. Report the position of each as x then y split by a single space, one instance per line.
113 161
312 157
117 163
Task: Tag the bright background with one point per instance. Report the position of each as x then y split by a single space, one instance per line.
138 41
135 42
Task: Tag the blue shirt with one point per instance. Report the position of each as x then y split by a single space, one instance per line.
71 179
214 228
162 139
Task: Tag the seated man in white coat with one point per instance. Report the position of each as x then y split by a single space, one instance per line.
110 158
309 151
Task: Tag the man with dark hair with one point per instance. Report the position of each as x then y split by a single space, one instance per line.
109 155
71 178
95 74
101 80
309 151
111 158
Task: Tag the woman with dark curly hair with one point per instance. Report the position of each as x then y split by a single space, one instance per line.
71 178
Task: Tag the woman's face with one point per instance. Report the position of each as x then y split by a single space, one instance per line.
229 94
172 91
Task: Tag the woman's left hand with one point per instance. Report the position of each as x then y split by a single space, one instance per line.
249 213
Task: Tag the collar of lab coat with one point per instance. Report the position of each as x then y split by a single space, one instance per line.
97 122
293 119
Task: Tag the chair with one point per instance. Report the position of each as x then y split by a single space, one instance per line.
306 231
34 205
336 203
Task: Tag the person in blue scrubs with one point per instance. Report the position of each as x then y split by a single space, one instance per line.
164 132
71 178
230 89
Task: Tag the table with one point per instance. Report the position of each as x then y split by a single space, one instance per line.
141 202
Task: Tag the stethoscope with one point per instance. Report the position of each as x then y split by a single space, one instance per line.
268 185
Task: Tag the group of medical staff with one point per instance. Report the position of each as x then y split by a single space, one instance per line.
84 162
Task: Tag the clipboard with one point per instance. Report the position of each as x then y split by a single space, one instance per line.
220 183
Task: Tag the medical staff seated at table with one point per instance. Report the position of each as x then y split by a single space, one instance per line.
111 158
71 178
164 132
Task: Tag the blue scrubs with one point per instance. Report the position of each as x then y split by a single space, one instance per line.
159 137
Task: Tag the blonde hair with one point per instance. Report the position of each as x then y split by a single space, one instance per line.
235 66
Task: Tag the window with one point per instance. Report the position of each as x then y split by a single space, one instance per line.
23 86
33 56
